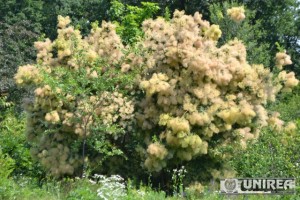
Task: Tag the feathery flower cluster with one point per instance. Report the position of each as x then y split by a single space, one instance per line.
157 83
52 117
282 59
290 128
157 153
63 21
56 158
236 13
45 99
213 32
195 189
52 150
199 90
245 135
105 42
289 80
27 74
65 42
275 122
114 108
44 49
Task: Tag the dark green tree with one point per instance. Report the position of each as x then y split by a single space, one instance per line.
252 35
20 26
281 21
81 12
13 11
271 22
16 48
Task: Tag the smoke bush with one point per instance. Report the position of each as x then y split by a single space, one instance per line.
197 98
78 107
200 97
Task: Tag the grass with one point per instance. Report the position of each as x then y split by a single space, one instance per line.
82 189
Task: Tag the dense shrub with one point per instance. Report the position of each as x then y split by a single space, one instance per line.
274 154
13 141
200 98
77 108
197 98
7 165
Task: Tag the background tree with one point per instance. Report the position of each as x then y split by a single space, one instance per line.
252 35
281 21
20 26
81 12
129 19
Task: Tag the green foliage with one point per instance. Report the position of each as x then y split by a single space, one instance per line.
81 12
274 154
281 22
167 14
279 48
82 193
11 190
20 25
251 34
13 11
16 42
27 189
81 190
117 9
13 141
269 26
129 19
7 165
189 6
5 106
288 105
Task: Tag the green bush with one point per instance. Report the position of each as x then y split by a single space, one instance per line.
7 165
288 105
251 34
13 141
129 19
273 154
